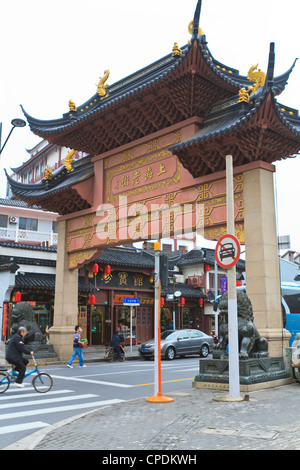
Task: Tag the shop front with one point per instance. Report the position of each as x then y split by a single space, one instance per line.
98 325
187 309
140 319
109 314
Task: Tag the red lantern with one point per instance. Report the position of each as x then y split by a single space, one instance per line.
107 269
92 300
201 302
206 267
95 268
17 297
238 283
182 301
162 302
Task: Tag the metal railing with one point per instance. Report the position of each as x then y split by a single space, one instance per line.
16 235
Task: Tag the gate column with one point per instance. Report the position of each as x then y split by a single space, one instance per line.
262 264
66 300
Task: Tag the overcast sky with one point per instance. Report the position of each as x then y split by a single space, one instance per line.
56 51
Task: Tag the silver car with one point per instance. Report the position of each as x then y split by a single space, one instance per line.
179 343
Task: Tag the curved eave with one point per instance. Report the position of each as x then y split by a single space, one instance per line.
289 117
127 87
158 73
232 76
120 91
236 117
220 124
43 193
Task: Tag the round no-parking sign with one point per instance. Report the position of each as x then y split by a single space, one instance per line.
227 251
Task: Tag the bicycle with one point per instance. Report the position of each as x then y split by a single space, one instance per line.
42 382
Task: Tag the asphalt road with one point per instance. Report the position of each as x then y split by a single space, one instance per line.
24 411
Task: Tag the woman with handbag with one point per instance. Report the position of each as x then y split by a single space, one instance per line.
77 348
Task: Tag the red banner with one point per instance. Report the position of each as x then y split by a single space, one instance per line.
4 323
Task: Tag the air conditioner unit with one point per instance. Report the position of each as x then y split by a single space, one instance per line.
196 281
13 219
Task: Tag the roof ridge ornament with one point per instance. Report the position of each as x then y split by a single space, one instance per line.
258 78
48 175
195 24
72 106
190 29
243 96
68 161
101 86
176 50
271 65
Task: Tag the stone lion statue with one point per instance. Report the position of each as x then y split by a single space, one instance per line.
23 315
251 344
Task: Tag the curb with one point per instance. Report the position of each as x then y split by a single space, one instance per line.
62 363
32 440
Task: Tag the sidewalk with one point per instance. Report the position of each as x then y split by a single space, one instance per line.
90 354
193 421
96 353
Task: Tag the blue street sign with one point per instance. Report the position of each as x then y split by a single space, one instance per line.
131 302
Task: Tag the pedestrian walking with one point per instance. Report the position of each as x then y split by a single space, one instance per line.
14 354
77 348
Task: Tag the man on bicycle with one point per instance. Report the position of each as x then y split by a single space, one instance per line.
14 355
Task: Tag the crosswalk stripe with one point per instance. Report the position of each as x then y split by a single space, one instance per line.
22 427
45 401
12 389
98 382
33 394
59 409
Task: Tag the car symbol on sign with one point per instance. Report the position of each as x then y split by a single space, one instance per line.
227 251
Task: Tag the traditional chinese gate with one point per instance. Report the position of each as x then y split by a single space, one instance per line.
157 142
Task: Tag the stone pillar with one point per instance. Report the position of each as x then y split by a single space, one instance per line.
66 300
262 264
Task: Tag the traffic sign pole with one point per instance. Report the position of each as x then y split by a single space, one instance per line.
227 254
131 308
234 373
158 397
129 302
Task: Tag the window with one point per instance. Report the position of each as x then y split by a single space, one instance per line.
183 249
184 335
167 247
196 334
28 224
54 226
37 171
3 220
148 246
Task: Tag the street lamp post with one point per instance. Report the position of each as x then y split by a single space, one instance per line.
15 123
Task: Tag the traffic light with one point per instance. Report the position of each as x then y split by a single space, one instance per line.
164 268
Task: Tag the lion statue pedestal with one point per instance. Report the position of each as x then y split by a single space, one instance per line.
257 370
23 315
250 342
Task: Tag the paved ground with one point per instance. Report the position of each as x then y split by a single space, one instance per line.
193 421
